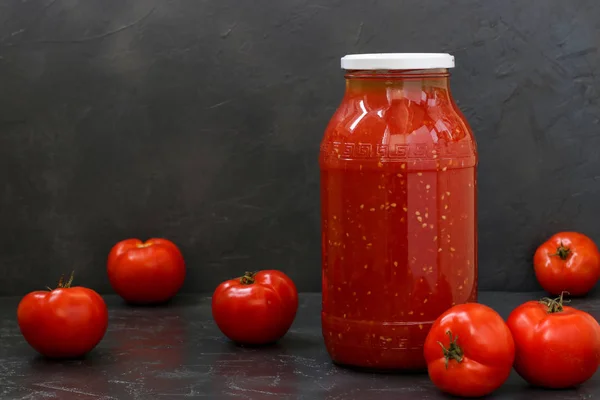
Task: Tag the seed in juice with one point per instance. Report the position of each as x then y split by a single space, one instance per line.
444 169
420 219
372 209
443 217
452 249
420 326
366 266
362 206
399 175
419 173
434 238
428 187
380 164
417 213
364 238
393 205
439 250
424 225
369 293
395 263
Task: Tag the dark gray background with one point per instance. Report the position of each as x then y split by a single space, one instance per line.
200 121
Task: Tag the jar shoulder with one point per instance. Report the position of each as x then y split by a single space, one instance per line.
400 129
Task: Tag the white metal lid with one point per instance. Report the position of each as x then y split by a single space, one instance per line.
387 61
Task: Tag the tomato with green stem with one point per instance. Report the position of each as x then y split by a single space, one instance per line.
557 346
66 322
469 351
257 308
567 262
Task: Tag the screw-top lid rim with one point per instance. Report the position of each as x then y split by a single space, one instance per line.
397 61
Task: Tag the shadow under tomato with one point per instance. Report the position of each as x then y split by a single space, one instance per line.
177 301
96 357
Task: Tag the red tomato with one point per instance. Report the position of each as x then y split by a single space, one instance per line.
146 272
567 262
257 308
469 351
66 322
557 346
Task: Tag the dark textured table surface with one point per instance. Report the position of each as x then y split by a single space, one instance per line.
176 351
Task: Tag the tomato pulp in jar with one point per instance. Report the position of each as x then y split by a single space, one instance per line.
398 201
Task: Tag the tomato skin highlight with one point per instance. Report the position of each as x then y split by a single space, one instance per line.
256 313
63 323
554 350
567 262
150 272
486 345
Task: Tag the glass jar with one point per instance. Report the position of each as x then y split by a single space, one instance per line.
398 201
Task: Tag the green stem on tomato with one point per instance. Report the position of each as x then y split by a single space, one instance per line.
562 251
62 284
453 351
555 305
248 278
